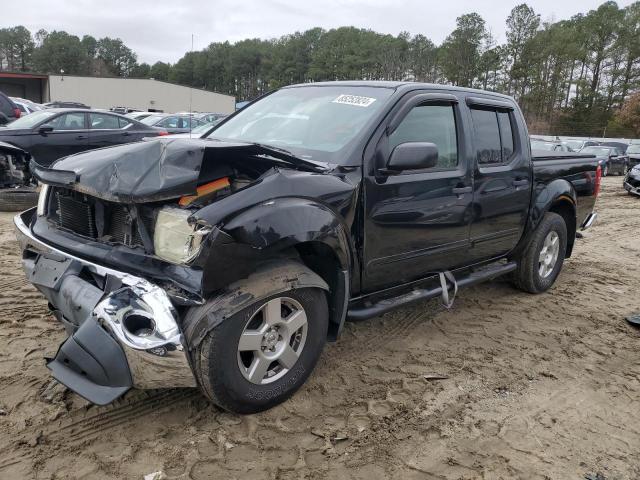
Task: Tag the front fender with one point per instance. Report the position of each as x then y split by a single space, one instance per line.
284 222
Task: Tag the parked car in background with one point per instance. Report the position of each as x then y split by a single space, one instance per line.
537 144
210 117
26 106
633 155
611 159
199 131
245 252
139 116
172 123
60 104
632 180
9 111
622 146
55 133
578 145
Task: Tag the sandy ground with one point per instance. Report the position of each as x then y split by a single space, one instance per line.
541 387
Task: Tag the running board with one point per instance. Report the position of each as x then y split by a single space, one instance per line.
383 306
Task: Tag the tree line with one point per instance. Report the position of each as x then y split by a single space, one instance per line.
571 77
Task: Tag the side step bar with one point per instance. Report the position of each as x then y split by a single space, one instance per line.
365 312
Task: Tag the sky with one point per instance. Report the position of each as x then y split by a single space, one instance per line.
160 30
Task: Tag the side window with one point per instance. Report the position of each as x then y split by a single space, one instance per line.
434 124
68 121
493 136
103 121
506 135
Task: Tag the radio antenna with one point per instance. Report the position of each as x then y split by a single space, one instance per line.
191 93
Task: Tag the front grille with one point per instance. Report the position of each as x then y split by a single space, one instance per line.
100 220
76 215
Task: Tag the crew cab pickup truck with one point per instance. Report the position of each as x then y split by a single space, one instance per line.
227 262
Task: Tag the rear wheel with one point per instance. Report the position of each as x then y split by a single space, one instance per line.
17 199
260 356
542 260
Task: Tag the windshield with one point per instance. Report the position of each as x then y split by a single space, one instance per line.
152 119
33 119
596 150
633 149
315 122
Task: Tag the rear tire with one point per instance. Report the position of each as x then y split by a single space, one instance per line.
542 260
227 362
17 199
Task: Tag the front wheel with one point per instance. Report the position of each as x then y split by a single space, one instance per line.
260 356
542 260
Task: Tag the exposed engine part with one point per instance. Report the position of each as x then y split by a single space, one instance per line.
14 170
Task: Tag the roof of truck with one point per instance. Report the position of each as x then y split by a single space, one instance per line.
397 85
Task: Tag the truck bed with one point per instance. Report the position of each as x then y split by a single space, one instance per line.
579 169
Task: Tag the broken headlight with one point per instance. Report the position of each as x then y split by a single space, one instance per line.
175 239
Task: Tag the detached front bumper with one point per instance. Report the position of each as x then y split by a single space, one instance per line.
124 330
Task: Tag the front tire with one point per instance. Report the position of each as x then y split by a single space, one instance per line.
260 356
542 260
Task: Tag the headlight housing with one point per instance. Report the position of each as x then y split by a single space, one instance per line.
175 239
42 200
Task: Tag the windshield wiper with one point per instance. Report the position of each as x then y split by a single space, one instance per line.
292 158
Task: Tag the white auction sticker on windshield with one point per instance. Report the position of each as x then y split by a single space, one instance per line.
356 100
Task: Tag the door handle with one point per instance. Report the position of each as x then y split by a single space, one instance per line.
125 134
81 137
520 182
461 190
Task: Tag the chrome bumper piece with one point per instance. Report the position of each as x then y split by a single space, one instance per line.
136 312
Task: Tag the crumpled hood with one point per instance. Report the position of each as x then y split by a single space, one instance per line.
153 170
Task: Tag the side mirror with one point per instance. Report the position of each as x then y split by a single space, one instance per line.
45 129
412 156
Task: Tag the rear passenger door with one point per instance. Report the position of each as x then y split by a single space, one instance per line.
107 130
502 178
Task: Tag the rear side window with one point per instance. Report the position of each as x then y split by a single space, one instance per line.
123 122
493 136
433 124
102 121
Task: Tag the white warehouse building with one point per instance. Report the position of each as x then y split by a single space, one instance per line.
107 92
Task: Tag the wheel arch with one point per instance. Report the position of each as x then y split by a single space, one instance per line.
270 278
558 196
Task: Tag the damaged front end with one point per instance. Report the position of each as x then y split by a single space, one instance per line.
118 248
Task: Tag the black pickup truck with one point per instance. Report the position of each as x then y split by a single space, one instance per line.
227 262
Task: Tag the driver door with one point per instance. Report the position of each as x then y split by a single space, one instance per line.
417 222
70 135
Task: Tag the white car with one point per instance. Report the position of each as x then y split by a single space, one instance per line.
26 106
